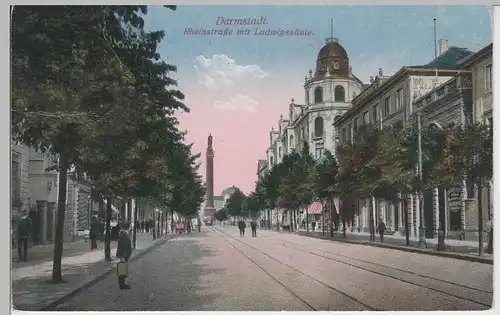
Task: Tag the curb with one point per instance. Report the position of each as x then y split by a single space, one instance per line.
51 306
477 259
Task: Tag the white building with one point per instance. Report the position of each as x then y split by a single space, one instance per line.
327 96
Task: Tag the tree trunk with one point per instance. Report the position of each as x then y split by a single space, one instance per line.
331 216
158 220
307 220
344 235
59 238
102 210
406 223
268 219
136 221
480 218
153 227
323 220
172 225
107 238
372 223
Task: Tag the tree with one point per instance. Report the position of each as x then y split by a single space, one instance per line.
235 204
64 89
251 206
359 172
222 215
270 186
325 182
473 152
53 75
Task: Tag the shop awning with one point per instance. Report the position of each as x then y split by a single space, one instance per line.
315 208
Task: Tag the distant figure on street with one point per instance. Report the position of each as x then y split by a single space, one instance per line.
199 225
242 225
313 225
94 232
381 230
23 232
123 252
253 225
303 224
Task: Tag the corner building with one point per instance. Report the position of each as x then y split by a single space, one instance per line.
328 91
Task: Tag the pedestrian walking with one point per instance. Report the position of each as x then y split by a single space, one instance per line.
94 232
242 226
199 225
381 230
253 225
313 225
23 232
123 252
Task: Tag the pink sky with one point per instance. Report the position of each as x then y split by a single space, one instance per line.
241 137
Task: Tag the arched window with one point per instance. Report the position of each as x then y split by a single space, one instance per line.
318 127
291 144
318 95
339 94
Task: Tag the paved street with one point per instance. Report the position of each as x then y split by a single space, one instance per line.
216 270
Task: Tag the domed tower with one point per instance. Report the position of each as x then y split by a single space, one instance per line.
333 80
329 93
332 58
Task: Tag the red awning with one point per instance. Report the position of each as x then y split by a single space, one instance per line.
315 208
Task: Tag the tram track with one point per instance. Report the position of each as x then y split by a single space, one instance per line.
224 236
483 297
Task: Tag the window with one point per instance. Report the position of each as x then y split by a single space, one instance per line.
279 153
366 118
344 135
349 132
318 127
375 113
387 106
319 151
488 77
318 95
399 98
339 94
356 124
292 144
16 180
271 161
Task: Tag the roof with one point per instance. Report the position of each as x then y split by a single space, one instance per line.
474 57
332 49
450 59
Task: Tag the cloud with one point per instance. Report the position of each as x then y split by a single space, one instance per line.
222 71
239 102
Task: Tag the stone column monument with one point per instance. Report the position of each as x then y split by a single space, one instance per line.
209 211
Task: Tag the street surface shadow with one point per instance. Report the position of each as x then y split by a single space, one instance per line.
34 292
166 279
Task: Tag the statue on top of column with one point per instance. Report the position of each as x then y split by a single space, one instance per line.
209 140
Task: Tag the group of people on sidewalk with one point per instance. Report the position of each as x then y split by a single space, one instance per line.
242 226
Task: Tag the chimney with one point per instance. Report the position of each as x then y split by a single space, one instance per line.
380 72
443 46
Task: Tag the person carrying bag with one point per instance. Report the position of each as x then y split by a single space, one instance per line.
123 252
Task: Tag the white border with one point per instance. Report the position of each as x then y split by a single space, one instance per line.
5 237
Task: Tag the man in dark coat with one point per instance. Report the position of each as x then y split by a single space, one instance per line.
242 226
123 251
94 232
381 230
253 225
23 232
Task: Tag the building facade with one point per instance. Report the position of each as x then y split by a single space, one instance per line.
384 102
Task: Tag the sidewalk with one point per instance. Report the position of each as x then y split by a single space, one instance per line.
81 267
465 250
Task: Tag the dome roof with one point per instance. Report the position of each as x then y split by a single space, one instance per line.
332 49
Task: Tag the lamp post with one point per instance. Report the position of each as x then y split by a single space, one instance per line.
421 229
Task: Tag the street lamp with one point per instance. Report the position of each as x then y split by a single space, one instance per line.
421 229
